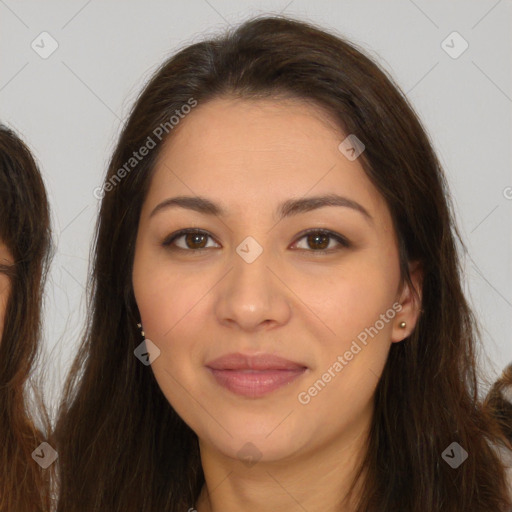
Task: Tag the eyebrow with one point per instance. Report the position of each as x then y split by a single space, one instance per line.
286 209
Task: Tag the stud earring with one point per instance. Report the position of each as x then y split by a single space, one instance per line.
139 325
402 325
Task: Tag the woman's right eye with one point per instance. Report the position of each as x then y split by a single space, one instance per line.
191 240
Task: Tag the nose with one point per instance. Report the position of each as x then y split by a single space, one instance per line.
252 296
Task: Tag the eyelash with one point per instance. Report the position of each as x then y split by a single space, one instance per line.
344 243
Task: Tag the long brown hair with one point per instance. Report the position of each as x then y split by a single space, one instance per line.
123 447
499 401
25 230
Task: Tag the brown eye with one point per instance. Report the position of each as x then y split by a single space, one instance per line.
193 240
318 241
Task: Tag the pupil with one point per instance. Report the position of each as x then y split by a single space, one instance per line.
192 237
316 237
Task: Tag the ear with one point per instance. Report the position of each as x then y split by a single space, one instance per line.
411 305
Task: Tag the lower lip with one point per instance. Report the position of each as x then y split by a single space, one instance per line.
254 383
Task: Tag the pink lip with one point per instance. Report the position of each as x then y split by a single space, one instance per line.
254 376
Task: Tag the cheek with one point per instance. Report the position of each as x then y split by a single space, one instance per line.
354 297
167 300
171 302
4 295
356 306
172 315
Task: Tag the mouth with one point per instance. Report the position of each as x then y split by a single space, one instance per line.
254 376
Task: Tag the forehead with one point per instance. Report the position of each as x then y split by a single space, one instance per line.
254 125
257 152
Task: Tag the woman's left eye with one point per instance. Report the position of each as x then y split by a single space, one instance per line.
322 239
318 239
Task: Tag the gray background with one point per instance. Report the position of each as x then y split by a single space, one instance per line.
70 106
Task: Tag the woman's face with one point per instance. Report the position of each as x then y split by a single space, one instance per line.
261 286
5 284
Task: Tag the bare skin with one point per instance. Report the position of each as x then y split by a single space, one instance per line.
249 156
5 285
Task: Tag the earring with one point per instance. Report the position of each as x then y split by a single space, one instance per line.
402 325
139 325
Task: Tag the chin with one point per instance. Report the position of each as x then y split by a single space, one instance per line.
250 451
259 442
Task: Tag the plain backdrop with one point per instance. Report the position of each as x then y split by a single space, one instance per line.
69 107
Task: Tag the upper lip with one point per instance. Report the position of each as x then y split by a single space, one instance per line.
237 361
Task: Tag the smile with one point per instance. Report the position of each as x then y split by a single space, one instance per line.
254 375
